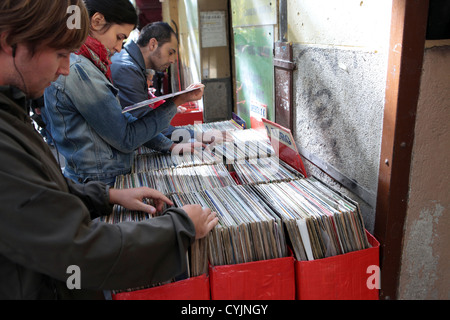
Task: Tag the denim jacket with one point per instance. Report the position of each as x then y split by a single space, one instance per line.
84 116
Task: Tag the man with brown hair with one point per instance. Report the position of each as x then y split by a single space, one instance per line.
47 223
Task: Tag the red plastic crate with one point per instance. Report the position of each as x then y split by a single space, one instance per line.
341 277
272 279
185 118
196 288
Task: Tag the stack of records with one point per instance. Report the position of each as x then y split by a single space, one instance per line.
179 180
248 229
242 145
320 222
273 206
120 214
264 170
144 150
207 131
253 143
150 161
238 145
222 126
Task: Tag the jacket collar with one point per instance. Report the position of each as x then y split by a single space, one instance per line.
14 101
136 54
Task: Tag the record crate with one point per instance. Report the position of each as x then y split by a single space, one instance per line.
272 279
341 277
196 288
192 115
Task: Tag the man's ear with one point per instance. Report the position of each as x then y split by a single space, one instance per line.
5 47
153 44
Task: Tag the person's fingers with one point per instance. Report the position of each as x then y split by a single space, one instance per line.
160 197
210 222
159 200
213 220
140 206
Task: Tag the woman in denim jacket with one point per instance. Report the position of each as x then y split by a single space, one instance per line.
82 110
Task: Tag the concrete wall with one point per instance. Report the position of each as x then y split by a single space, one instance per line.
425 271
340 49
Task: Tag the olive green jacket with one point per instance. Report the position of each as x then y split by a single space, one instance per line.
47 224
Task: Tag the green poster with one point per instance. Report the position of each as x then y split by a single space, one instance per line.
253 49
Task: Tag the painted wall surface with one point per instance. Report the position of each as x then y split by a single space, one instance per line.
340 49
425 271
344 23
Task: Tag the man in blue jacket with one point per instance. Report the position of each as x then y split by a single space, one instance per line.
155 50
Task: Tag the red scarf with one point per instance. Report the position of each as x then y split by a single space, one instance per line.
96 52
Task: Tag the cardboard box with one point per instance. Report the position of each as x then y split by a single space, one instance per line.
341 277
196 288
272 279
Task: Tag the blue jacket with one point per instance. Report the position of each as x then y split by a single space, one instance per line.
129 75
83 113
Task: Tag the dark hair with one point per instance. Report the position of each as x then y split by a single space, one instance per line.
161 31
114 11
23 22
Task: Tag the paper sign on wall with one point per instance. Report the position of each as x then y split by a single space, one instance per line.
213 29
